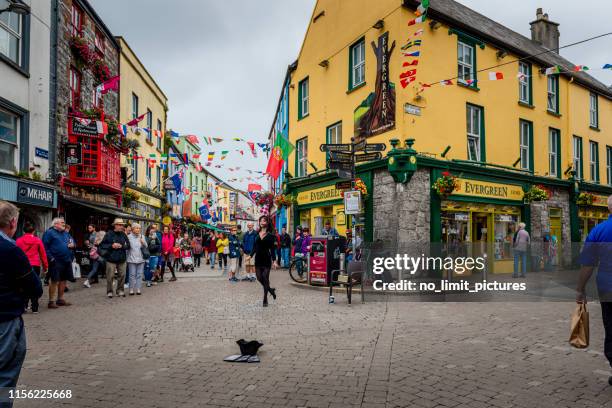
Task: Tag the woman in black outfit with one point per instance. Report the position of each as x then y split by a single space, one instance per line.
265 253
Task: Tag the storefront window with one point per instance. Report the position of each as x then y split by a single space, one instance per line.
505 226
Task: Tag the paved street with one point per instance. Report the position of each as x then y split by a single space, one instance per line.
166 349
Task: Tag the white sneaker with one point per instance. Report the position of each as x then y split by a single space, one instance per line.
125 286
86 284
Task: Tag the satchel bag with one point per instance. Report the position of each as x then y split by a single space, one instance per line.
579 331
145 251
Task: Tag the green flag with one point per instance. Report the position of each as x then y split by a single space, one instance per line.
285 146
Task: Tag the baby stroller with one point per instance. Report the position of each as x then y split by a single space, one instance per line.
187 261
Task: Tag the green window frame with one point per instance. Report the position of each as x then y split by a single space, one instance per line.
525 83
303 98
476 146
554 152
593 111
552 101
526 144
594 161
357 64
609 165
333 134
301 157
577 156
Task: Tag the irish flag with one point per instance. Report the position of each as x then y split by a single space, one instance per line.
579 68
495 76
553 70
419 19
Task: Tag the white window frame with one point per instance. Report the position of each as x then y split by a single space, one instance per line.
150 125
593 110
148 175
10 32
462 65
334 133
553 152
524 82
552 91
302 157
14 145
593 160
159 135
358 68
577 156
305 102
524 131
609 164
474 132
135 171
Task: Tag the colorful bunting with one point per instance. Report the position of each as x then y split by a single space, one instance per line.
224 154
553 70
135 121
252 147
579 68
495 76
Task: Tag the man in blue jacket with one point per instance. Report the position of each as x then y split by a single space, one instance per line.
17 283
57 244
248 241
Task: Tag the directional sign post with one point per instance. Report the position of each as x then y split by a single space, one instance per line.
359 158
344 185
346 175
338 156
375 147
335 147
359 146
340 165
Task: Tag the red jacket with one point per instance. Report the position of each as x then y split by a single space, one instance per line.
34 250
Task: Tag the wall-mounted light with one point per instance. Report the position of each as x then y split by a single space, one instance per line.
17 8
324 63
434 25
501 54
445 152
379 25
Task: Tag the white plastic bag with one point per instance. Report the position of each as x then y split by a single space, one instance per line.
76 270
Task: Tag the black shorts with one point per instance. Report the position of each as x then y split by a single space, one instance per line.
60 271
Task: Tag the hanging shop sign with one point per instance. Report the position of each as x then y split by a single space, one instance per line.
352 202
412 109
145 198
327 193
34 194
84 127
73 154
376 114
344 185
485 189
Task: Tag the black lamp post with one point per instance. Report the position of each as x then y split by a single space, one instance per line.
17 8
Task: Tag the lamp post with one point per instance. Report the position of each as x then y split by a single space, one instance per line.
17 8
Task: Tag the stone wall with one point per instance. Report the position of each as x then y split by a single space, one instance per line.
88 84
540 216
401 211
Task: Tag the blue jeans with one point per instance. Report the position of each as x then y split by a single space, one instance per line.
150 266
522 256
285 257
96 264
12 353
212 259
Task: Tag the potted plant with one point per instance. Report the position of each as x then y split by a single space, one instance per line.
535 193
129 196
585 199
80 51
445 184
100 70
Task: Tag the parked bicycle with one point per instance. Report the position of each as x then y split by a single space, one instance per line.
298 269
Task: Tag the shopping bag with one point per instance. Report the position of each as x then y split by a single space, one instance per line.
76 270
579 333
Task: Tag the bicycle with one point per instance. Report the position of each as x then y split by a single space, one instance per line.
298 270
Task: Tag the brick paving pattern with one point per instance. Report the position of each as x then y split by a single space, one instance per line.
166 349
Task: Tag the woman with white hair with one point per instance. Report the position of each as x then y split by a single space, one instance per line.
135 259
521 241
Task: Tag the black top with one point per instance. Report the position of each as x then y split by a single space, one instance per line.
111 254
264 250
285 240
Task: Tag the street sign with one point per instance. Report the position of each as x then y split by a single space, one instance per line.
344 157
344 185
360 146
367 157
375 147
339 165
343 174
352 202
335 147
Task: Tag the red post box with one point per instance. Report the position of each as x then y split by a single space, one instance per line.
325 257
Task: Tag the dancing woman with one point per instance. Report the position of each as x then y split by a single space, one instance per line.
264 251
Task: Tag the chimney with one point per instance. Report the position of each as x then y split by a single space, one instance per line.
544 31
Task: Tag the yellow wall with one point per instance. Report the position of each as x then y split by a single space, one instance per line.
223 201
443 120
135 79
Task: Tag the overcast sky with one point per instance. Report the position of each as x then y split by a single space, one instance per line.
222 63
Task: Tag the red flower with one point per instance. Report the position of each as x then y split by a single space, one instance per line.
445 173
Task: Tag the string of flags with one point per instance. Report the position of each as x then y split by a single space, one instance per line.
408 51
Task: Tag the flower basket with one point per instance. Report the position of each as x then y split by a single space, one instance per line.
535 193
283 200
129 196
445 185
585 199
80 51
100 70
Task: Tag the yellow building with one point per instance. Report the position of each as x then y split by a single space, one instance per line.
140 94
526 129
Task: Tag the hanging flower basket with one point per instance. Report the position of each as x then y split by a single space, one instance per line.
129 196
282 200
535 193
585 199
100 70
265 200
360 186
80 51
445 185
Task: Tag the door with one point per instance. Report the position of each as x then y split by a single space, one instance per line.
555 235
482 235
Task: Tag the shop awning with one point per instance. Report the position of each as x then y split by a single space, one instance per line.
106 209
210 227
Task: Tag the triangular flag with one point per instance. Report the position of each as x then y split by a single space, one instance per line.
553 70
224 154
579 68
193 139
409 64
446 82
607 66
211 156
252 147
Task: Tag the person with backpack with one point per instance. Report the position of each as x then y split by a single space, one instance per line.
520 242
34 249
197 249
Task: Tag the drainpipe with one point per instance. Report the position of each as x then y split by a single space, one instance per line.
53 90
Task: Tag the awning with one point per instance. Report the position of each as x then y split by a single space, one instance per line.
210 227
107 209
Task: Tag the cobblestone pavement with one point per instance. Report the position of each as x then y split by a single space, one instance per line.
166 349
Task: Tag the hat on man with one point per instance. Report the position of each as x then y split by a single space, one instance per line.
119 221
